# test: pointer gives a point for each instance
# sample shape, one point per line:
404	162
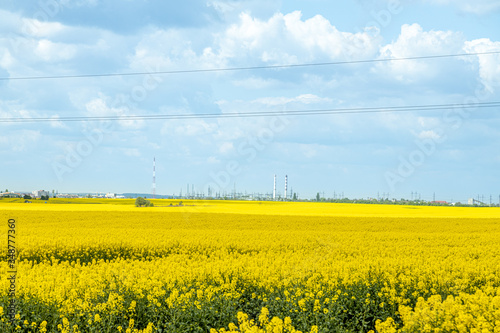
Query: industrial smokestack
154	177
274	188
286	185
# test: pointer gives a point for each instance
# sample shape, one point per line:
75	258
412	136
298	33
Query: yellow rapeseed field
214	266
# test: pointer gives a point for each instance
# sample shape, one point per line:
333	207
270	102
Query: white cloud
54	52
429	134
231	106
413	41
57	49
232	129
282	39
222	6
80	3
428	122
15	109
287	39
489	64
478	7
6	59
98	107
213	160
255	83
396	122
230	10
174	49
25	139
56	123
32	27
308	150
192	127
226	147
303	99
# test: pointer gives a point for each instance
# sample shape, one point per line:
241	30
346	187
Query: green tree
141	202
317	197
294	196
27	197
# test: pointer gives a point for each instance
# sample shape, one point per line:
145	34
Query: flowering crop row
215	267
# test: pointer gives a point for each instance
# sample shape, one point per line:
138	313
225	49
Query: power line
366	110
243	68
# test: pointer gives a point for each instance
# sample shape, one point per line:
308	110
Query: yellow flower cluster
479	312
275	325
206	265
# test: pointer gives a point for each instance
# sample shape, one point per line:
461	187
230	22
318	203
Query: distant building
473	202
67	196
110	195
40	193
11	195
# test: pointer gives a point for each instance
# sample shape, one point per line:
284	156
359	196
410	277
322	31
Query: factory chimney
274	188
286	186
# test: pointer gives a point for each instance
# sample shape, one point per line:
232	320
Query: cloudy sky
454	153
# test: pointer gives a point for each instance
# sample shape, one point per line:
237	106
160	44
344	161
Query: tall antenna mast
286	185
274	188
154	177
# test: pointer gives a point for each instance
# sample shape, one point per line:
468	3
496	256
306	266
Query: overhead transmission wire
253	114
229	69
365	110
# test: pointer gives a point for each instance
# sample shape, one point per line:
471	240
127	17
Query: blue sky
454	153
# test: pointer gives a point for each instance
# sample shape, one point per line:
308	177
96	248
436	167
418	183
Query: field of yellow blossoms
214	266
